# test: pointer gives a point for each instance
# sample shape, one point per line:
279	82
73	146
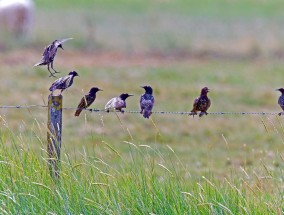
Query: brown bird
281	100
87	100
49	55
201	103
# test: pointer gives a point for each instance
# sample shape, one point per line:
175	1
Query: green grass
219	164
135	184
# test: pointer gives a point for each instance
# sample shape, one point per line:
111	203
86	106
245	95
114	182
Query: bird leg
53	68
141	111
51	74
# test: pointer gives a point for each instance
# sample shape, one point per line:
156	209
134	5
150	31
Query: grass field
219	164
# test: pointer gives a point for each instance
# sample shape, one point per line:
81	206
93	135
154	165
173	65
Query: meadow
217	164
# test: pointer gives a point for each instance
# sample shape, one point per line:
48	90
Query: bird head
60	46
204	91
93	90
73	73
124	96
148	89
281	90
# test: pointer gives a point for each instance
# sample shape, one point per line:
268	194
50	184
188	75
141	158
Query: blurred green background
233	47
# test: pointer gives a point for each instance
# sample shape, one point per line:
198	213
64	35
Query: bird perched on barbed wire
281	100
87	100
117	103
201	103
49	55
147	102
63	82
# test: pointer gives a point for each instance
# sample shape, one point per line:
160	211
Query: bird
87	100
281	99
117	103
63	82
201	103
147	102
49	55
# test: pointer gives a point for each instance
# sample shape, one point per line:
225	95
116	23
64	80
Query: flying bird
117	103
63	82
201	103
147	102
87	100
281	99
49	55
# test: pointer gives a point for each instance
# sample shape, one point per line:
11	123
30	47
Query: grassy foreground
136	184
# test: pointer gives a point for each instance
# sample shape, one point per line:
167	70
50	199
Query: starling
49	55
147	102
201	103
117	103
63	82
281	99
87	100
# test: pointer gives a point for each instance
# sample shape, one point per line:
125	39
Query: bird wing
85	102
110	104
195	103
61	83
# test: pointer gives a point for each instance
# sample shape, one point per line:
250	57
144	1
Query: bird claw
280	113
122	111
52	75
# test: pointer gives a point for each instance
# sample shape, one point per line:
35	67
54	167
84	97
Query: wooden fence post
54	132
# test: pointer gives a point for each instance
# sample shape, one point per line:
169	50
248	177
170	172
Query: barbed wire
138	112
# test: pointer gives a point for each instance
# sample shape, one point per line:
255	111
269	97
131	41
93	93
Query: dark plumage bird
147	102
87	100
201	103
49	55
63	82
117	103
281	99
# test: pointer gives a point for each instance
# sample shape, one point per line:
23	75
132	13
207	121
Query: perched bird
147	102
117	103
49	55
87	100
201	103
63	82
281	99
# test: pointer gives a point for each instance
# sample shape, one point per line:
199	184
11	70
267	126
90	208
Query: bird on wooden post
49	55
117	103
87	100
281	100
63	82
201	103
147	102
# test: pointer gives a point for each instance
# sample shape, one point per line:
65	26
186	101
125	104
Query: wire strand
138	112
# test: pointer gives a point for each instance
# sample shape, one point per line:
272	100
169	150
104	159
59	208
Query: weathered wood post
54	132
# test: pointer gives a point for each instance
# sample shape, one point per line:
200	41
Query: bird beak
100	90
277	90
142	86
130	95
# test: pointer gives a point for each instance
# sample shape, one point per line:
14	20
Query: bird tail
39	64
78	111
146	113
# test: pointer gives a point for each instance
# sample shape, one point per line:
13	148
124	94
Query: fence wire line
138	112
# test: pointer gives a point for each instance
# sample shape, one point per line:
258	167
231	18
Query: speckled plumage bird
281	99
49	55
147	102
201	103
87	100
117	103
63	82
